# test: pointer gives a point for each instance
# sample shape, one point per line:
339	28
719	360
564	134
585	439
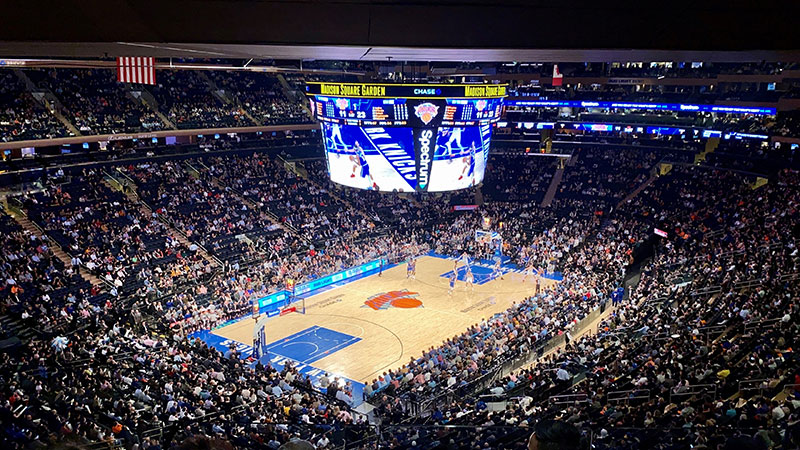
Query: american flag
558	78
136	69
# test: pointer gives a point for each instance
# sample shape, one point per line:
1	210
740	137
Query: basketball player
360	161
455	136
469	163
465	259
528	271
336	132
414	268
497	272
452	283
469	278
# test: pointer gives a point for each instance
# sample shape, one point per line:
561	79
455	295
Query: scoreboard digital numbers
374	104
402	138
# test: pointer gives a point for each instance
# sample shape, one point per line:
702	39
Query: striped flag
558	79
136	69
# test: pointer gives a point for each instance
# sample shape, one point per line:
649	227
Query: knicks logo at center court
398	299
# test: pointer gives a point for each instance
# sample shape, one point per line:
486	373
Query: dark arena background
399	225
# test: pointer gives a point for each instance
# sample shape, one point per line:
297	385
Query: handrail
631	394
502	369
694	390
765	323
754	385
566	399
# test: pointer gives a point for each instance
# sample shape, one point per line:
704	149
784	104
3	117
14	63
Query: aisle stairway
146	99
48	100
12	327
250	204
553	188
59	252
226	97
130	192
640	188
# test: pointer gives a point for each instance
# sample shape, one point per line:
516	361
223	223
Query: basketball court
368	326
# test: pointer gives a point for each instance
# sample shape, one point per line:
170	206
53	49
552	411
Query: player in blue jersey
469	163
360	162
452	282
411	268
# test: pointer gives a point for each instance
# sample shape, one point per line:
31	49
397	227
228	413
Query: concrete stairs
15	328
711	145
48	100
572	160
294	167
293	95
250	204
640	188
130	192
553	188
58	252
478	197
55	109
226	98
146	99
25	80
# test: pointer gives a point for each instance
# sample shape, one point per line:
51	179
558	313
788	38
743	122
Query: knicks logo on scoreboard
342	103
426	112
398	299
480	105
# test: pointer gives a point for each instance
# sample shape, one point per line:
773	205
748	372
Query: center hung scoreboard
406	137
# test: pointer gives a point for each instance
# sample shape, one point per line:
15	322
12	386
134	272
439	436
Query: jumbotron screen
417	140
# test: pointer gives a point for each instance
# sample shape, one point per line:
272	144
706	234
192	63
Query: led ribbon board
723	109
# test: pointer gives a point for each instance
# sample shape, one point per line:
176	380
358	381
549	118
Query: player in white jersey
336	132
465	259
469	279
455	137
498	273
529	270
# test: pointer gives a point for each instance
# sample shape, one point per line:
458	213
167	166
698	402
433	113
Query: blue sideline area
309	345
480	274
485	264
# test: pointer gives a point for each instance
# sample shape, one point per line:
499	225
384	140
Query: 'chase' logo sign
427	91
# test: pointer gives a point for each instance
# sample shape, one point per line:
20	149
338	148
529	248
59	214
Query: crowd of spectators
698	355
95	102
715	307
21	116
187	101
261	96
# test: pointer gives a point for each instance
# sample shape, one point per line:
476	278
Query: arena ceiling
433	30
